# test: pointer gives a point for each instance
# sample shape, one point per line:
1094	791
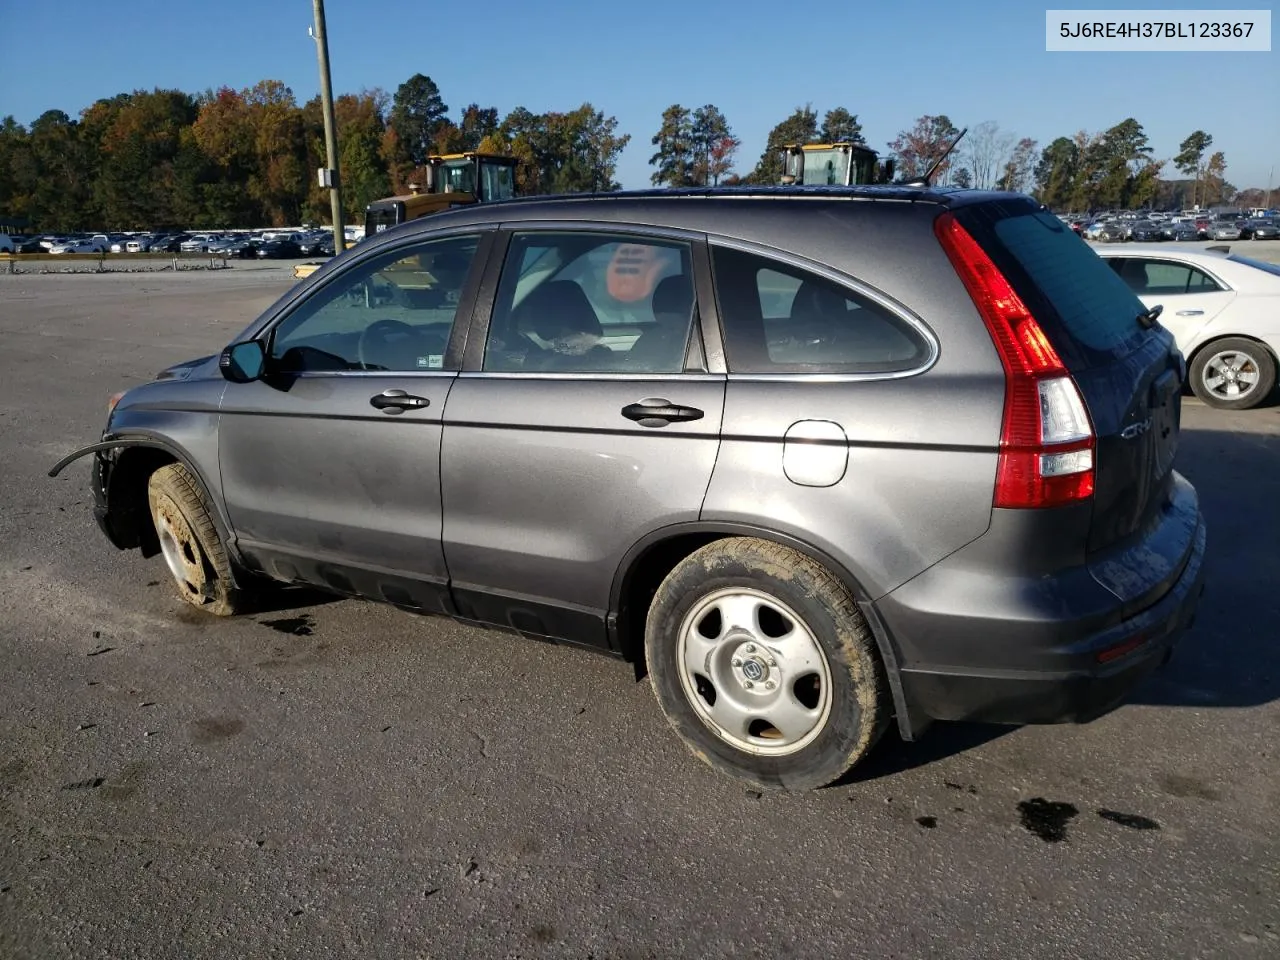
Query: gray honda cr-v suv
820	459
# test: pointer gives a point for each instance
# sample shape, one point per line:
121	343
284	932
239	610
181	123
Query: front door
330	462
584	420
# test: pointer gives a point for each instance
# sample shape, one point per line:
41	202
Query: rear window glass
1095	308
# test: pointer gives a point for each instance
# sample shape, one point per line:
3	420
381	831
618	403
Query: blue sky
888	63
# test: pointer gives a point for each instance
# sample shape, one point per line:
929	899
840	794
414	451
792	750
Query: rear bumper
1024	666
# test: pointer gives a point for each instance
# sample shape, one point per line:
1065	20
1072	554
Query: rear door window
592	302
1088	311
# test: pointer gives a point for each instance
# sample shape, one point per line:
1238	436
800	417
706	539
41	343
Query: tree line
1113	168
228	158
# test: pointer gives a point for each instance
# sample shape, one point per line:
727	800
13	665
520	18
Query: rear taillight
1046	438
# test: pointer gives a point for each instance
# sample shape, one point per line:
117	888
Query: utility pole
1269	178
329	176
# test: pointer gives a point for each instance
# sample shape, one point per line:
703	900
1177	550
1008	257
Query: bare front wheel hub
752	669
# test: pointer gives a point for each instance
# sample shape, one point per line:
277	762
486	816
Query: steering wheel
382	332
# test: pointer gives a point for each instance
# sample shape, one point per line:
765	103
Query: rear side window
778	318
1086	308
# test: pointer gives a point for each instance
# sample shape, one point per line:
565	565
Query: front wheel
764	666
189	541
1233	374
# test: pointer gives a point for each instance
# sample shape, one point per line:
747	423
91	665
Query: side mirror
243	362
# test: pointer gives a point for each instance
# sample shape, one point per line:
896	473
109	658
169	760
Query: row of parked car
273	244
1154	228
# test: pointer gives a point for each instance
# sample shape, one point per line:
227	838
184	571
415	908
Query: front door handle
397	401
657	412
1191	313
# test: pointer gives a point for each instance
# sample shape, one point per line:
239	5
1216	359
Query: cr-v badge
1136	429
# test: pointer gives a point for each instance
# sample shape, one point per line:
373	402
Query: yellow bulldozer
840	164
453	180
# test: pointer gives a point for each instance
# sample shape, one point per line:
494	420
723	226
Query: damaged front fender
71	458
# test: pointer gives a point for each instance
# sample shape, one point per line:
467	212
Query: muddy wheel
189	542
764	665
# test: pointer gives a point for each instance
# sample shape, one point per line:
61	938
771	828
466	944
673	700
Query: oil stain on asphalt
1047	819
302	626
1131	820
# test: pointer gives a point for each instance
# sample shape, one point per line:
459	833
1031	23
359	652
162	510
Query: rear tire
1230	361
764	666
189	542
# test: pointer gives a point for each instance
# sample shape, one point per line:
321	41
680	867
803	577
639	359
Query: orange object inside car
633	272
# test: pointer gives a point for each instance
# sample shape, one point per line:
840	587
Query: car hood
180	371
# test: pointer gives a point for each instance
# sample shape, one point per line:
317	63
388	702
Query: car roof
1207	254
688	205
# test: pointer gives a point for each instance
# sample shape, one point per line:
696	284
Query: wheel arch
1209	341
135	459
650	559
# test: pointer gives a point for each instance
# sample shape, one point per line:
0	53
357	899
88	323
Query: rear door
584	419
1190	296
1129	374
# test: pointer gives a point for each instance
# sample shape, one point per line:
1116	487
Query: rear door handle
1191	313
397	401
657	412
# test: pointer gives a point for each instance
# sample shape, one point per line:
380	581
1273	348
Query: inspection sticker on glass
433	362
1160	31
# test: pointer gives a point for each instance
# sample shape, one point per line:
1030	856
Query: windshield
825	167
457	176
496	181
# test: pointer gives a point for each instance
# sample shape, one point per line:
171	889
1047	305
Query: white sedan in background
79	246
1222	308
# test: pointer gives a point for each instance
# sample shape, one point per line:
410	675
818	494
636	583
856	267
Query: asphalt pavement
340	779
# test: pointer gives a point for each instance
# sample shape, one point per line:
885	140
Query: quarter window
782	319
592	303
393	312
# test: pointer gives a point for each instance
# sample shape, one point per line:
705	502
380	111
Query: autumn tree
139	139
714	145
917	149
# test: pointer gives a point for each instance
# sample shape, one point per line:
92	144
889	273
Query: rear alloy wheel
1233	374
190	544
764	665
